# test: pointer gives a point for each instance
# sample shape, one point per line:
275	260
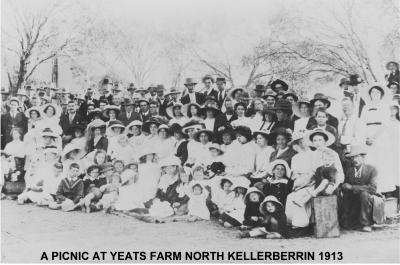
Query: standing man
354	93
162	101
222	94
259	91
361	206
208	82
129	114
152	92
106	90
192	96
144	109
12	119
70	118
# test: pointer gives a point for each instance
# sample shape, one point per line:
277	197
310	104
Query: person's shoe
244	228
244	234
366	229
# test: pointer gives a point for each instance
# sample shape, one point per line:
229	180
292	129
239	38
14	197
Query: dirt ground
27	231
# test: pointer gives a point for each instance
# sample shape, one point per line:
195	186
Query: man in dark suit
208	82
12	119
162	100
192	96
129	114
354	93
221	94
144	109
361	206
70	118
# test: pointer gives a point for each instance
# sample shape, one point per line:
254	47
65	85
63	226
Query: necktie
220	97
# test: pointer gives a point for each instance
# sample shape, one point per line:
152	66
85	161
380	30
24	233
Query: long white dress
241	159
379	154
197	205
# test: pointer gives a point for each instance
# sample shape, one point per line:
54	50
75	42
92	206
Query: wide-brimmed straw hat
269	198
136	123
34	108
116	124
283	163
253	189
170	161
193	124
242	182
356	150
216	147
244	131
170	109
111	107
190	81
321	97
146	125
329	137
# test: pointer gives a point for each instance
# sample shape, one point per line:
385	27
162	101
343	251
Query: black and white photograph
199	131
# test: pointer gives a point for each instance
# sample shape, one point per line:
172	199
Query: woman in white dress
263	154
300	124
241	120
135	135
51	119
258	106
376	117
199	154
165	145
175	112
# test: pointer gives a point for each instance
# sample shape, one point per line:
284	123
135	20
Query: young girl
274	220
110	189
96	138
128	179
162	205
221	197
119	166
135	135
234	214
197	203
92	184
252	214
183	189
277	183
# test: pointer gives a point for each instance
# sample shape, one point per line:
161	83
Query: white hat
134	123
216	146
170	110
242	182
170	161
330	138
283	163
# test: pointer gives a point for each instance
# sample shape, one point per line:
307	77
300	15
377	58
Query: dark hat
216	167
279	82
283	105
392	62
131	86
280	131
58	165
378	88
176	128
264	134
269	110
244	131
106	167
355	80
343	81
226	129
128	102
106	81
94	166
142	100
146	125
393	83
221	79
291	93
320	97
208	77
260	88
96	112
160	87
186	108
208	132
211	107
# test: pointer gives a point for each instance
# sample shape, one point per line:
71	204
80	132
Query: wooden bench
325	216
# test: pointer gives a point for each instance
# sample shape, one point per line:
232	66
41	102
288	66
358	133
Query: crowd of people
247	159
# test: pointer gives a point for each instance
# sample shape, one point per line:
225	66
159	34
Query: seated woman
263	154
198	153
281	138
96	138
175	112
164	146
240	160
241	119
16	149
135	135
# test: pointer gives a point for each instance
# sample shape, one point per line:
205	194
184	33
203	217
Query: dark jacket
220	121
101	144
88	184
199	98
8	123
252	209
68	189
162	106
279	189
277	216
213	93
65	124
367	182
287	155
287	124
332	120
182	152
134	116
109	98
328	173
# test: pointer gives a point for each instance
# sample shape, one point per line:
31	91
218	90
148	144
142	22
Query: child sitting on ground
128	179
181	205
119	166
92	184
109	190
274	220
197	203
70	190
221	197
234	214
252	214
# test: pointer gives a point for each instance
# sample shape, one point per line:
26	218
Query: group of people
247	159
